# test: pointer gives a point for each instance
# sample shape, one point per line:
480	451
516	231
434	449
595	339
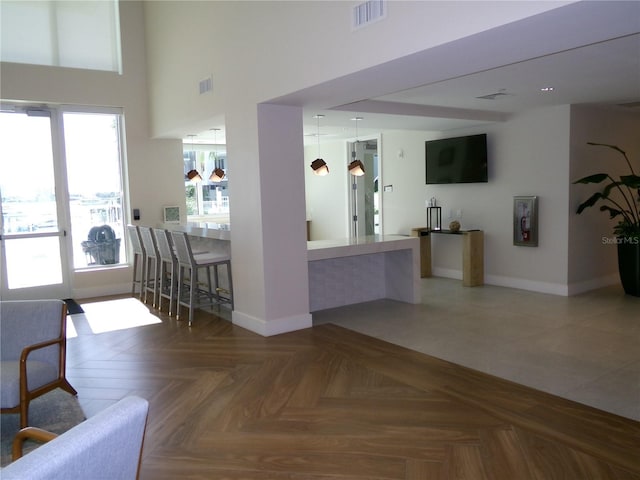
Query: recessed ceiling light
546	89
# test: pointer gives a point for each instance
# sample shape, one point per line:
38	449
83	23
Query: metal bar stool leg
193	292
173	290
180	291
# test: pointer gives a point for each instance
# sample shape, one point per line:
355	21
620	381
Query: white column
268	220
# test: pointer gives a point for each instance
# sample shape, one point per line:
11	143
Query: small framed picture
525	221
171	214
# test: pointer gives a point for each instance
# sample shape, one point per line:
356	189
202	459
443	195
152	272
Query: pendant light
319	166
218	174
356	167
193	175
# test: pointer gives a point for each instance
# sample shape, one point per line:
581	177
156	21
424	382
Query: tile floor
585	348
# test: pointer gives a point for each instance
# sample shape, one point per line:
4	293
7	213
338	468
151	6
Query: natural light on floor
108	316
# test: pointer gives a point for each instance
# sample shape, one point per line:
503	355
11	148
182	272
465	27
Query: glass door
32	224
61	197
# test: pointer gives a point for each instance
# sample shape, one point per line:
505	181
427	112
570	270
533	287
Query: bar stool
168	285
152	265
139	259
189	293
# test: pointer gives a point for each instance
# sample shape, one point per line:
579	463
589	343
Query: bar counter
341	272
348	271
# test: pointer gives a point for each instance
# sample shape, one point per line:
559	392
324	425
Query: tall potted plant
621	199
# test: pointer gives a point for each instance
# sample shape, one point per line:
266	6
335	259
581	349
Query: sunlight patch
121	314
71	329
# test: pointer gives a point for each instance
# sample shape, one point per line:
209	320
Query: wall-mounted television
457	160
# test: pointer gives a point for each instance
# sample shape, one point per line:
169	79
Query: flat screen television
457	160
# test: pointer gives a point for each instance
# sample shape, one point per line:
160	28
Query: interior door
33	247
364	201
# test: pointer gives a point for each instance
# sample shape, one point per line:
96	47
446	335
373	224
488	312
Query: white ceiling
588	52
606	73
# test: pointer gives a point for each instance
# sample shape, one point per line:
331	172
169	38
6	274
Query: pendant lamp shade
194	176
320	167
217	175
356	168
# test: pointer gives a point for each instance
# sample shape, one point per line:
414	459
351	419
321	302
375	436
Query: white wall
154	167
327	198
528	155
259	50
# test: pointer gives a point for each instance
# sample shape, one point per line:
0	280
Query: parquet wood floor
330	403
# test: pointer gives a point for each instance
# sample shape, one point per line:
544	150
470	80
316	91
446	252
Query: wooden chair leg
66	386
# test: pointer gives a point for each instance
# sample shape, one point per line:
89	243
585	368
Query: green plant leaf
631	181
621	204
590	202
607	190
616	148
613	212
596	178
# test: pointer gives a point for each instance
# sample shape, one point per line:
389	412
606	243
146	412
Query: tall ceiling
584	53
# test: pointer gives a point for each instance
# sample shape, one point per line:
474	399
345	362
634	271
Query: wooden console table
472	253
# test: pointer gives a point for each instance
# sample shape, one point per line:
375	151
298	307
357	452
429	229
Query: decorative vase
629	264
454	226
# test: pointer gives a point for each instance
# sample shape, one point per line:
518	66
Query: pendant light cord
318	134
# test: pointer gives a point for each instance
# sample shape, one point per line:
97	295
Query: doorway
60	179
365	200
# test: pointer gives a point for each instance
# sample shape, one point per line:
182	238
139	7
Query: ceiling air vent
206	85
369	12
493	96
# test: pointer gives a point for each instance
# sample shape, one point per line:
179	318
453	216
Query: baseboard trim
529	285
447	273
511	282
102	291
594	284
271	327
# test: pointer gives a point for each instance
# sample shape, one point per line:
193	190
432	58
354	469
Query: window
94	182
206	199
61	33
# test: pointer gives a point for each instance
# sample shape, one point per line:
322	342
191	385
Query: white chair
105	446
33	350
168	278
139	259
189	293
152	265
